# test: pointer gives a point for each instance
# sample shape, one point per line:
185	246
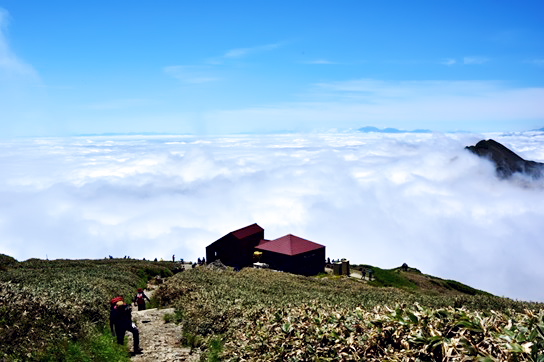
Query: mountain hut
237	247
293	255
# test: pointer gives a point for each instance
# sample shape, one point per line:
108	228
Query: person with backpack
121	322
140	298
112	307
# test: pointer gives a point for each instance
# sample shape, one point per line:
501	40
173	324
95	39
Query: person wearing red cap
113	302
140	298
121	322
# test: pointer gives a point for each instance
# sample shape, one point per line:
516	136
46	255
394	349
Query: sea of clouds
379	199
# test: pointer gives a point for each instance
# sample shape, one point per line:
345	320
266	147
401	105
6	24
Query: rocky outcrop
506	161
217	265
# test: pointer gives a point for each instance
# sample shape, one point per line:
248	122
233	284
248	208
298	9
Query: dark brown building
236	248
292	254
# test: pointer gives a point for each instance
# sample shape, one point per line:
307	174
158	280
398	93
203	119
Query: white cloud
475	60
23	104
206	73
377	199
243	52
536	61
192	74
449	61
10	64
121	104
320	62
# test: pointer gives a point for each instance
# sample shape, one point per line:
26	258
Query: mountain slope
506	161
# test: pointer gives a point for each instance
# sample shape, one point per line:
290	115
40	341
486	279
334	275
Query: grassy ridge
264	315
48	306
414	280
58	310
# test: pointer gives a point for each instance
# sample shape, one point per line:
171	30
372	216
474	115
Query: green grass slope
58	310
413	279
51	310
262	315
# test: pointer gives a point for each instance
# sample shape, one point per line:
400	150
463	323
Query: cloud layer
373	198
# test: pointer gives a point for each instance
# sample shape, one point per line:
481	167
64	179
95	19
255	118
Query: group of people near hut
121	318
365	271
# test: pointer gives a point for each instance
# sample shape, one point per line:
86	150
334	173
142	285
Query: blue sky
253	66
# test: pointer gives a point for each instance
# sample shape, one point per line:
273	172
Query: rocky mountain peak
506	161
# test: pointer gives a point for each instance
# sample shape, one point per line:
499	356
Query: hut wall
224	249
232	251
310	263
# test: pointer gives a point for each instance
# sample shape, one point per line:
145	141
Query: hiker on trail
363	273
174	258
121	321
112	306
140	298
370	274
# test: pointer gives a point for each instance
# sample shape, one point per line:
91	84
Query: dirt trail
159	340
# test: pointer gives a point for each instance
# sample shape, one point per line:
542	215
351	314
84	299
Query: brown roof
290	245
247	231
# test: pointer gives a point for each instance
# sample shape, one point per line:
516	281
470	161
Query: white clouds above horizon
536	61
10	64
192	74
475	60
207	71
449	61
437	105
22	100
320	62
243	52
376	199
121	104
468	60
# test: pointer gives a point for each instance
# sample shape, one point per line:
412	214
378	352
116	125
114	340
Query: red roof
247	231
289	245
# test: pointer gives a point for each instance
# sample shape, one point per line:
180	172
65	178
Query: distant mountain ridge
506	161
370	129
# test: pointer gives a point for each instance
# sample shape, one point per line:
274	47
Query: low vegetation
265	315
58	310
